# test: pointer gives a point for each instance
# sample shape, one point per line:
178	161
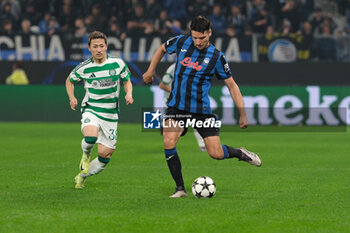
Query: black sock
230	152
174	165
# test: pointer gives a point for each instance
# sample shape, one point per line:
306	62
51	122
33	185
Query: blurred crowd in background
171	17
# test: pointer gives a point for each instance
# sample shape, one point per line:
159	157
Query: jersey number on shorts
113	134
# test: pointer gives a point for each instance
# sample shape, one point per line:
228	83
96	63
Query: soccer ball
203	187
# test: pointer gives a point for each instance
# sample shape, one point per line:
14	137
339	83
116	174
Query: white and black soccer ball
203	187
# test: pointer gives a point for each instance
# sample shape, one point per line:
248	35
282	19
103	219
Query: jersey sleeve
222	69
125	73
169	75
172	44
74	76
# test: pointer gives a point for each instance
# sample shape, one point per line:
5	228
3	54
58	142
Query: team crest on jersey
95	83
87	120
206	61
112	72
227	68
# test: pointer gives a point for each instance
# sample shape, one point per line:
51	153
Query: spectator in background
86	6
177	10
66	17
274	8
116	29
257	6
306	31
174	26
248	31
286	27
88	23
325	46
54	26
153	10
7	28
99	21
316	19
167	26
44	23
230	31
260	20
161	23
6	13
18	76
31	13
237	20
290	12
270	31
307	7
308	38
226	6
14	8
218	21
138	23
79	27
328	21
26	27
198	7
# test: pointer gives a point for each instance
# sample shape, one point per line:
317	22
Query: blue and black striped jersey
193	73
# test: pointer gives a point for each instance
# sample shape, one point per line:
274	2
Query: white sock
96	166
87	147
199	138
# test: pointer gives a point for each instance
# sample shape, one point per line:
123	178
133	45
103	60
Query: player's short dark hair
200	24
96	35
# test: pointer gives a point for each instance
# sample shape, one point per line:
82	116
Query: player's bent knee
105	153
216	154
169	142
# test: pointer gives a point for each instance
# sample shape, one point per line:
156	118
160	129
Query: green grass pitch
303	185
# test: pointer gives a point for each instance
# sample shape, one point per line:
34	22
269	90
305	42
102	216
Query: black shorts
179	115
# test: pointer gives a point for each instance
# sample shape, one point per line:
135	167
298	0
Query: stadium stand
170	17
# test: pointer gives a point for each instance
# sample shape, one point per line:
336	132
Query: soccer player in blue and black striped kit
197	62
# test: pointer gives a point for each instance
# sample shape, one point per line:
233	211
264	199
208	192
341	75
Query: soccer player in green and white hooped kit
100	107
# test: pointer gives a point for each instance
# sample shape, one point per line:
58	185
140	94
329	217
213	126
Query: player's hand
129	99
148	77
73	103
243	122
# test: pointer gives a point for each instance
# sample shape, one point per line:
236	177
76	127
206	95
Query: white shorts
107	131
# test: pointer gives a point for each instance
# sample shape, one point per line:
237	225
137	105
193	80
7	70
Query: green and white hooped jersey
167	78
102	85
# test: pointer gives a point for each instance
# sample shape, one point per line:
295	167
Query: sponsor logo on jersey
103	83
112	72
187	61
106	82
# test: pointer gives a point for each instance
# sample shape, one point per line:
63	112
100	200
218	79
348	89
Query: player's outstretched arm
128	91
164	87
238	99
148	76
70	92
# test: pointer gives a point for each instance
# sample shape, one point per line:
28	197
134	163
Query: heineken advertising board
294	105
309	105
